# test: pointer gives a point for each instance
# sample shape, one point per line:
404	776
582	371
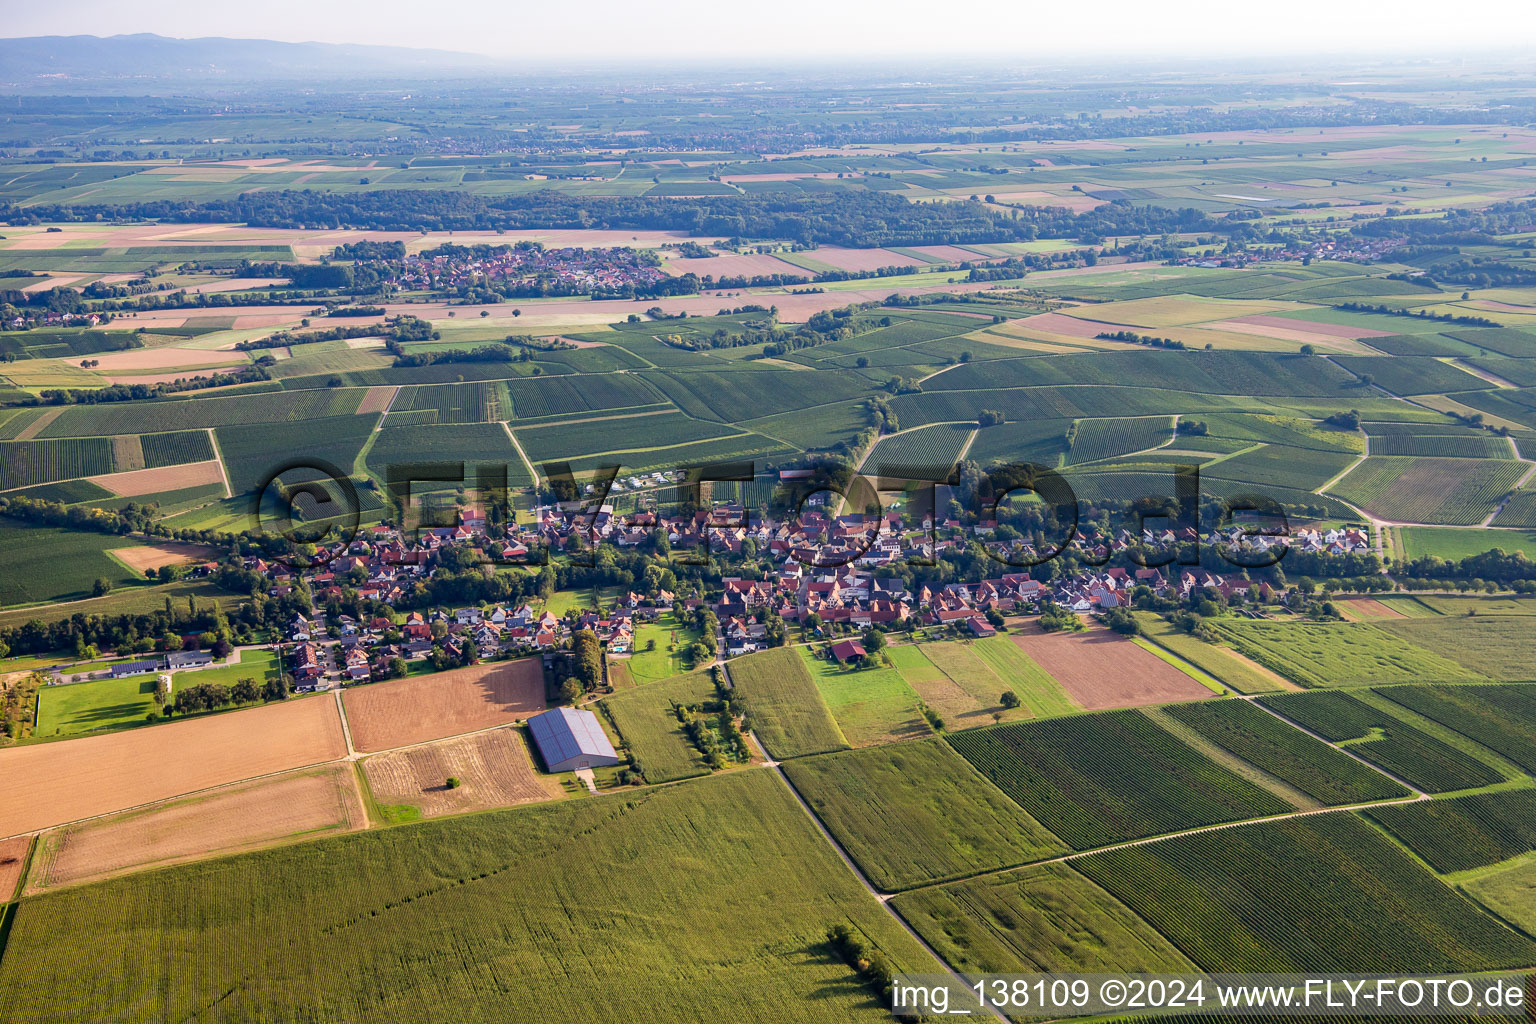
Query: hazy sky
534	29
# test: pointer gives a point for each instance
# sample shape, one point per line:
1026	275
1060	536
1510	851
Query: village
832	575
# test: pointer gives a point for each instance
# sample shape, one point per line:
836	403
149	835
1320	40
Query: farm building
134	668
848	650
569	738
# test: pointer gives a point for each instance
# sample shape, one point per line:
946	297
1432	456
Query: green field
104	704
1499	648
1455	492
1501	718
645	719
672	639
1510	893
783	705
871	705
1338	653
1099	779
708	900
47	563
128	600
1456	544
1287	753
915	813
1320	893
1462	833
1218	662
1385	740
1049	918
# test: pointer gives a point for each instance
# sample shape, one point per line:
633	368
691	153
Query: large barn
569	738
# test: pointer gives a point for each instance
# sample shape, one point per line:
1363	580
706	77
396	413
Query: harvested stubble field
400	712
241	817
494	770
13	858
146	557
53	783
165	478
1101	669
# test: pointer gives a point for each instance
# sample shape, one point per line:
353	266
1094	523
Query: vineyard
784	707
23	463
1321	893
253	453
548	396
1101	439
469	443
194	413
1501	718
1464	832
1413	375
1461	446
176	448
1281	466
1457	492
474	402
616	433
1287	753
1384	740
937	448
914	813
1099	779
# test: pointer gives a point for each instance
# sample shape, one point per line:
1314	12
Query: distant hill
43	61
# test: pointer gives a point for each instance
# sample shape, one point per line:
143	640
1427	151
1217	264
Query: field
1454	544
1464	832
937	689
24	463
13	857
293	806
783	704
636	903
416	709
652	732
1338	653
1383	739
494	769
152	482
47	563
1219	662
1100	439
1100	779
672	639
474	402
935	448
1049	918
176	448
1287	753
253	452
917	813
77	708
1510	893
470	443
197	413
55	783
1320	893
1455	492
1493	647
615	434
1501	718
871	705
146	557
1101	669
129	599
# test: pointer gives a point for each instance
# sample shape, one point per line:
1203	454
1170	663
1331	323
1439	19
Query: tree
587	655
100	587
453	782
569	690
1009	699
245	691
874	640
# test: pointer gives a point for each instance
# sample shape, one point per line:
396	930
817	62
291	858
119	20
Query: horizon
610	33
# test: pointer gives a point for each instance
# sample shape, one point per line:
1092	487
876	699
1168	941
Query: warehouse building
569	738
